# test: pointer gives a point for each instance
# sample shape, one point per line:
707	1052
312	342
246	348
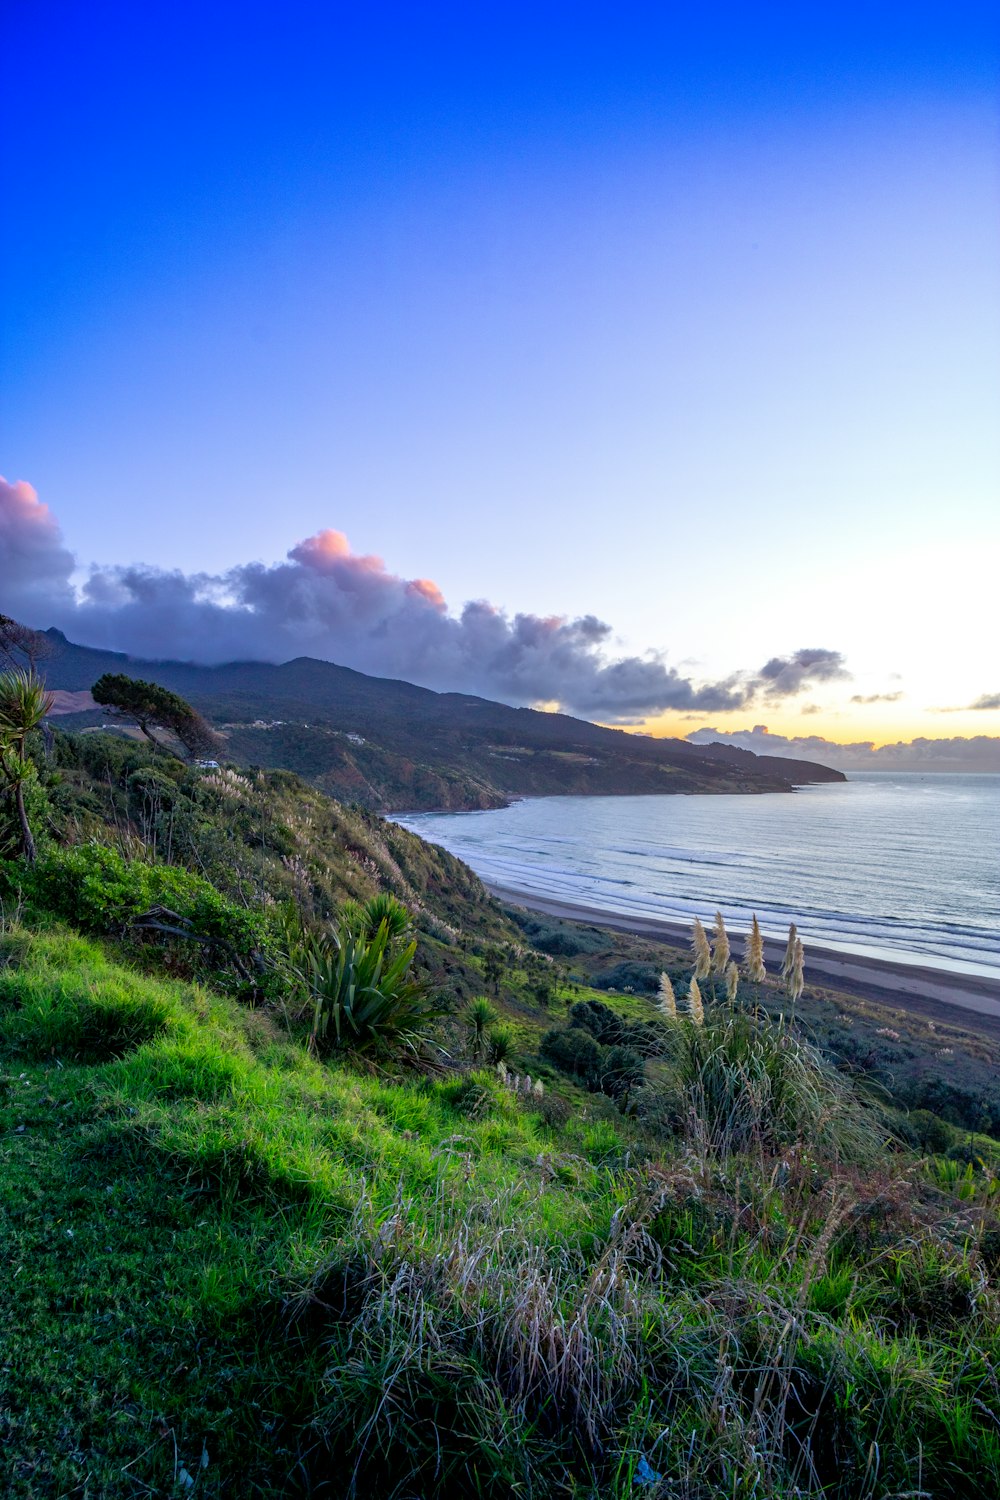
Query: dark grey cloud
325	600
784	676
986	701
974	753
877	697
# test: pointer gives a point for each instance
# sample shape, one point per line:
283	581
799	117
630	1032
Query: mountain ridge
393	745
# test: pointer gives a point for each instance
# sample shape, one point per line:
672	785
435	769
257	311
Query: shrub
500	1042
573	1051
363	995
644	979
745	1084
612	1030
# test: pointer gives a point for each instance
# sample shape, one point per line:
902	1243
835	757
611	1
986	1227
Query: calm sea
888	864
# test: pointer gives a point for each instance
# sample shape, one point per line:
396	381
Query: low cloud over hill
980	752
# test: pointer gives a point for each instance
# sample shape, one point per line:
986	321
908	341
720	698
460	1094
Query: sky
643	360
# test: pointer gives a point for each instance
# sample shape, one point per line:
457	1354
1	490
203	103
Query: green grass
227	1260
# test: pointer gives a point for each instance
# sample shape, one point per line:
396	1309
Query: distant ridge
395	746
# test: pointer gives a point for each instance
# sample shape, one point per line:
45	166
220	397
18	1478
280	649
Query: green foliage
386	909
558	939
501	1040
419	1286
362	993
102	893
85	1009
642	978
480	1015
650	1038
753	1085
494	967
24	703
153	707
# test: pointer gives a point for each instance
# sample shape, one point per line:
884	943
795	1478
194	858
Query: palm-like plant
481	1016
363	995
24	703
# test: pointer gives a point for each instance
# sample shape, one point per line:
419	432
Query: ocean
903	866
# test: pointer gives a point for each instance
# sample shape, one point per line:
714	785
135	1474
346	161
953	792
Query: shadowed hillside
391	745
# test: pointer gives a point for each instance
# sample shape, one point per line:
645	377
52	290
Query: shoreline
909	986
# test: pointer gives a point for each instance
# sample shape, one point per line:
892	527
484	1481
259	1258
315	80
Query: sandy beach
935	993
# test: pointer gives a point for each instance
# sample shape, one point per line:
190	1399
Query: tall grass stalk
700	951
667	1002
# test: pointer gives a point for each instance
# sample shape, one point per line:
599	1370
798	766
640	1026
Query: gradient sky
684	317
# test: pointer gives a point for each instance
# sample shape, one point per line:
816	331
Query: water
888	864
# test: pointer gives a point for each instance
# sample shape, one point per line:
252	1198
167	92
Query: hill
392	746
684	1259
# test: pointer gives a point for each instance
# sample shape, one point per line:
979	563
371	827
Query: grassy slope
160	1208
326	1282
214	1245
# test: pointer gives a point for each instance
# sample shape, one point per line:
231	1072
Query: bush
747	1084
612	1030
363	995
930	1132
101	893
644	979
573	1051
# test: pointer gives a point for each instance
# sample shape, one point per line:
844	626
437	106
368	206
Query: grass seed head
700	951
720	945
753	957
668	1000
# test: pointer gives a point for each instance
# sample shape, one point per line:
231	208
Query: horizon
657	359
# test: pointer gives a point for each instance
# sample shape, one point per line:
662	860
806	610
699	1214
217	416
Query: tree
24	702
494	967
20	646
153	707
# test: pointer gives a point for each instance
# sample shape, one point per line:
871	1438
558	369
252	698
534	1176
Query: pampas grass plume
789	958
720	945
668	1000
700	951
753	957
695	1006
795	980
732	982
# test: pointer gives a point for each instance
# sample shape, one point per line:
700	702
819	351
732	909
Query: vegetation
24	702
150	707
246	1251
389	744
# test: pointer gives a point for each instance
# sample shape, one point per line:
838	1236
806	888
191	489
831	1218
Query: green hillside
556	1245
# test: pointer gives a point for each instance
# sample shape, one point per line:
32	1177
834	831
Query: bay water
893	865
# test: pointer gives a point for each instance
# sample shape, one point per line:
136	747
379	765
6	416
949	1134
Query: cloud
33	559
327	601
877	697
784	676
986	701
976	753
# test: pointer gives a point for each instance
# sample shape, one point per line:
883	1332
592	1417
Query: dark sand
935	993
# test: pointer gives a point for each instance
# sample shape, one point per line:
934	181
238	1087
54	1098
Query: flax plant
668	1001
700	951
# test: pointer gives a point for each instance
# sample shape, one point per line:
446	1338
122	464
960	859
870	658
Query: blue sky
689	321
